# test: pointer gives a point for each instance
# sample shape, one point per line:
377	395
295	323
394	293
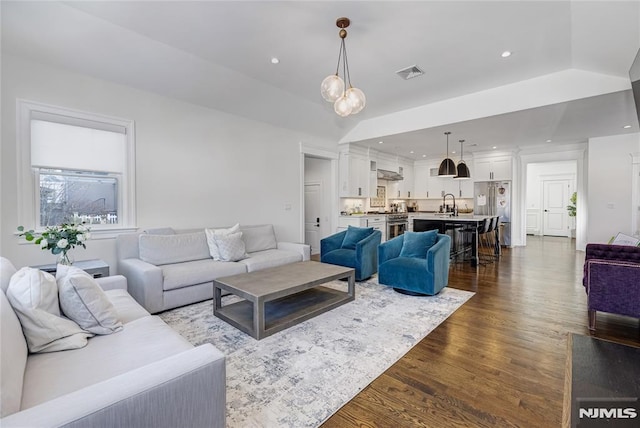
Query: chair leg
592	320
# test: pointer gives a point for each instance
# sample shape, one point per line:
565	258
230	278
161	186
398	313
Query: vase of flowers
59	239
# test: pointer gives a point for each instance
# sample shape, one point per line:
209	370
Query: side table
96	268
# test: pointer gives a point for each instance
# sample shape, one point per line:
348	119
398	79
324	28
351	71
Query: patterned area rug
300	376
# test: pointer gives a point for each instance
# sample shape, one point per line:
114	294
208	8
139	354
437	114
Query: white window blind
78	147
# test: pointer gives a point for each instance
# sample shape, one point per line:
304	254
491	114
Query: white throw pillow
33	294
211	233
230	247
83	301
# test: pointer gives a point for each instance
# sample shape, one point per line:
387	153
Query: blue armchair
409	267
356	247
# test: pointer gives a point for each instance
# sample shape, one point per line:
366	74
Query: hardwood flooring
499	360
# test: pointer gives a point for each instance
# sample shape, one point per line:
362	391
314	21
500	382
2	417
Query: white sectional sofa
167	268
145	375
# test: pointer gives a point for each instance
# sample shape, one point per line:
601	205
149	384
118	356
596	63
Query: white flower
44	244
63	243
86	236
80	237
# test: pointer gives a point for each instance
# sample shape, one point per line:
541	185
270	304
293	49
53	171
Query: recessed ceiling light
411	152
627	126
495	147
380	142
275	60
548	141
505	54
453	152
424	156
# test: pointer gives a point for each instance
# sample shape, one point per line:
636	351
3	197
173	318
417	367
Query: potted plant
571	208
59	239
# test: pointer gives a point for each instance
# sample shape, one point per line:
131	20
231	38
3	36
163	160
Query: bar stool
467	237
485	255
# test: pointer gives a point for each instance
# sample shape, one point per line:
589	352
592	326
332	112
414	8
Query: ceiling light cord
347	99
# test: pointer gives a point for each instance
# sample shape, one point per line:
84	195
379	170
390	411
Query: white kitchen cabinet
427	185
492	168
354	175
406	186
378	222
465	189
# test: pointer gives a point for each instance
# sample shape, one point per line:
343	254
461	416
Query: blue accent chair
358	251
415	275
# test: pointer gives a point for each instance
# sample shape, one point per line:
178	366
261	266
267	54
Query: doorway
317	200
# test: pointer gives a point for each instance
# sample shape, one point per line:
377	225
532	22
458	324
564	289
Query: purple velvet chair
612	280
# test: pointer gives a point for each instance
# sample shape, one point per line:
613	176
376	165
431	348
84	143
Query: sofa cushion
211	233
231	247
259	238
197	272
12	360
166	249
127	308
355	235
416	244
83	301
6	272
270	258
141	342
33	294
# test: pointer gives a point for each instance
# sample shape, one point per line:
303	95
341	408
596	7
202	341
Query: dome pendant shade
332	88
447	168
463	169
463	172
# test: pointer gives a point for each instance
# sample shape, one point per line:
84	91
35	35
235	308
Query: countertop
447	217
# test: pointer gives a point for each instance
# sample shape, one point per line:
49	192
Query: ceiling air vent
410	72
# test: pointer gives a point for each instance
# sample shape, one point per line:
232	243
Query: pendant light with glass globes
447	166
462	168
333	88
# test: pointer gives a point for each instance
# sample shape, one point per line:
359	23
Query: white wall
196	167
610	186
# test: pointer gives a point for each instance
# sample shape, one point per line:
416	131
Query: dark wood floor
499	360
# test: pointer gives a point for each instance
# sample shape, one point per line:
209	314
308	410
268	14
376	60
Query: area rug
300	376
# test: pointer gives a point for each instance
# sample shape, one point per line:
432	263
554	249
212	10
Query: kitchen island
446	223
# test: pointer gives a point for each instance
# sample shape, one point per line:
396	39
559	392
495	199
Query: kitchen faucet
453	209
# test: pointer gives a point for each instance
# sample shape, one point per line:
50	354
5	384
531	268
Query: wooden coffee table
279	297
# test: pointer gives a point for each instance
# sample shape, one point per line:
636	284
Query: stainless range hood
384	174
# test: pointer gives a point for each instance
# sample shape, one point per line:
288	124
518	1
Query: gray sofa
145	375
167	268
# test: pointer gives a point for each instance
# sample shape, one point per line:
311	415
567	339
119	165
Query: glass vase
64	258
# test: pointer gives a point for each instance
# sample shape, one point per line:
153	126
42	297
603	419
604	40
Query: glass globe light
332	88
342	106
357	99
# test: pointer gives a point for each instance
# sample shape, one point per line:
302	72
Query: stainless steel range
397	224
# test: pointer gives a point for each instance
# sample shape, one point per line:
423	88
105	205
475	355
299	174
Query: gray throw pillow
83	301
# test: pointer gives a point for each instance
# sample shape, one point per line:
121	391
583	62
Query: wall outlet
287	207
611	205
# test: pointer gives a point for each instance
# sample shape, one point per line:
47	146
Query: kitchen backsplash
351	205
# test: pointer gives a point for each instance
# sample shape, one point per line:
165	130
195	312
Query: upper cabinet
492	168
355	178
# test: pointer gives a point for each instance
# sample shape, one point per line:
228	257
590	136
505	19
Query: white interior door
313	216
555	196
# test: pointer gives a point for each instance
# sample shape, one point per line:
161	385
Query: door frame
331	186
573	152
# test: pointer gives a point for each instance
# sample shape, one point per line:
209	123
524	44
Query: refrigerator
494	198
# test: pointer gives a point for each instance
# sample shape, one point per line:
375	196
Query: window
80	167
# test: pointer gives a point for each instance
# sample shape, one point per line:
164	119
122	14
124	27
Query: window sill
96	234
